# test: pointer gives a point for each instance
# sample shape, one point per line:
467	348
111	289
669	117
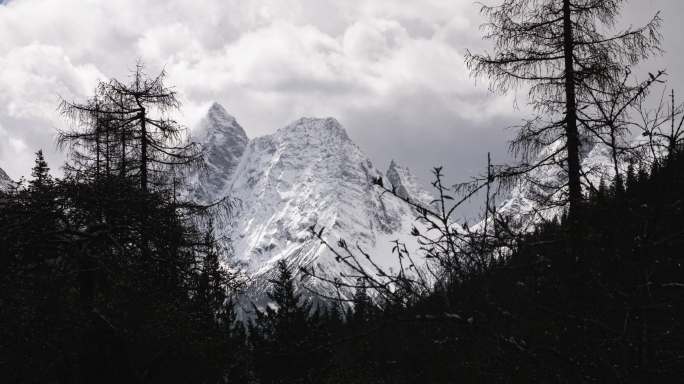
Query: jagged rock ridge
223	143
406	185
531	203
307	173
6	183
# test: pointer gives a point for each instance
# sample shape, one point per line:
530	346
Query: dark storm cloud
390	70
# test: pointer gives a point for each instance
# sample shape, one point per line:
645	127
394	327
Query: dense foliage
82	304
615	314
107	275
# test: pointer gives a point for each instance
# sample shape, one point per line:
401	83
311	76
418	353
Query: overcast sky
391	71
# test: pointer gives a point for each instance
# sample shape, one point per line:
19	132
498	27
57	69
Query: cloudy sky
391	71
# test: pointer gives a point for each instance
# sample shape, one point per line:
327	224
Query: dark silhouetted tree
564	52
284	337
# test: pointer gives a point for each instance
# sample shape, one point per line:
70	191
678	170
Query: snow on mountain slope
406	185
6	183
309	172
223	143
524	206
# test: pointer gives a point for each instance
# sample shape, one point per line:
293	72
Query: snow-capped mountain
307	173
406	185
524	206
6	183
223	141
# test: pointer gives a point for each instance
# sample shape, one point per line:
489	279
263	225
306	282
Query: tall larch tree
566	52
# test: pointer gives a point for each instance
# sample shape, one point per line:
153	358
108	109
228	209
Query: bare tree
449	251
561	50
661	128
136	115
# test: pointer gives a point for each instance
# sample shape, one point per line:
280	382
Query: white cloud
372	40
17	145
268	61
34	75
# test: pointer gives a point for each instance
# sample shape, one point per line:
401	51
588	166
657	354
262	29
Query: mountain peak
217	111
311	126
218	119
306	173
405	183
6	183
397	177
223	141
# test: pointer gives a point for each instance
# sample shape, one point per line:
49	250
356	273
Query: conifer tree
280	334
40	173
100	294
41	196
362	305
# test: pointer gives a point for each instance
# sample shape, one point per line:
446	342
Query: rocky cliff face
223	143
5	182
533	202
406	185
307	173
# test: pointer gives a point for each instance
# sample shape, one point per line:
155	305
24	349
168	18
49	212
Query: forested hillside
82	303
